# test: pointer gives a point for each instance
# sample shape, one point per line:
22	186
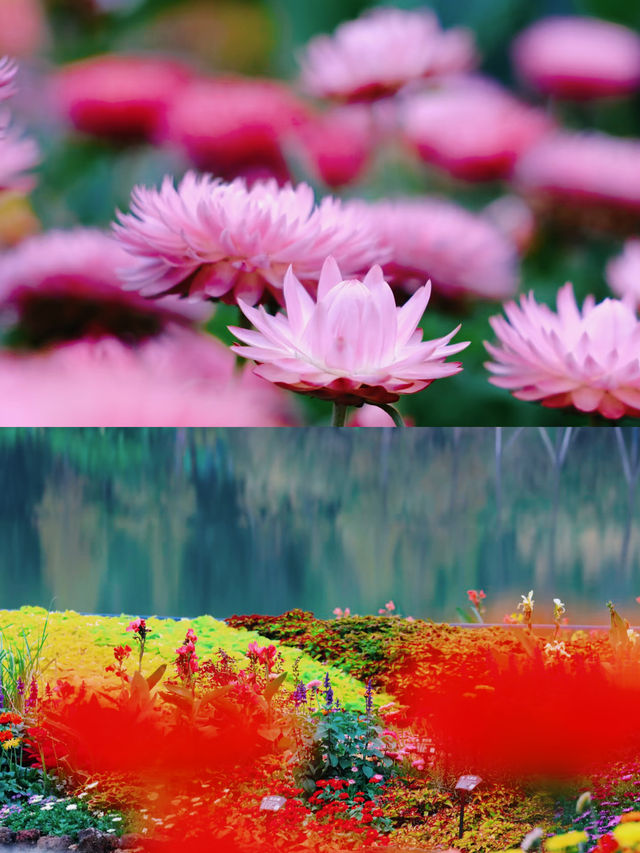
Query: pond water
181	522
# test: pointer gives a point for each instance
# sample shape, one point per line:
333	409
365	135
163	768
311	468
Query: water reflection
224	521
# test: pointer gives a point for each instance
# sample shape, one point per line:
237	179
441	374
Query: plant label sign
468	783
272	804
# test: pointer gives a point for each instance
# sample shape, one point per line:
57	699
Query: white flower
116	818
46	808
72	807
527	601
556	648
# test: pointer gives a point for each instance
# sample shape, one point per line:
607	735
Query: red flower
607	844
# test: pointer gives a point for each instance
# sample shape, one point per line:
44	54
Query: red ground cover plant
358	645
560	709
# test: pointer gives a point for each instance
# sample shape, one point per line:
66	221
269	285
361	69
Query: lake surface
183	522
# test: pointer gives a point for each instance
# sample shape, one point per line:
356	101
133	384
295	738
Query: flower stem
393	413
339	414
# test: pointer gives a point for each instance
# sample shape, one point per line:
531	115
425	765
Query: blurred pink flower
23	27
351	346
225	241
64	285
586	171
8	69
513	216
371	416
336	146
390	605
236	127
18	155
180	379
583	358
623	272
472	128
574	57
461	252
119	97
380	52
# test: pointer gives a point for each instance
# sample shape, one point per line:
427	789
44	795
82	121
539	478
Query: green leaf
155	676
178	701
179	691
273	686
308	785
271	733
464	615
139	688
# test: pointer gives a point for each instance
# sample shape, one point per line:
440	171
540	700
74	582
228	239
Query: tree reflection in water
221	521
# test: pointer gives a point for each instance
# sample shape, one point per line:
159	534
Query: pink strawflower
586	172
352	345
380	52
336	146
18	156
23	27
390	606
585	358
472	128
578	58
224	241
65	285
236	127
623	272
8	70
513	216
181	378
461	252
125	98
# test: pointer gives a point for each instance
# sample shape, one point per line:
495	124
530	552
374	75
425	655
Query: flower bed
179	731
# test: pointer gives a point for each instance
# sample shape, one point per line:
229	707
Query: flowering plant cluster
321	211
187	659
343	796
